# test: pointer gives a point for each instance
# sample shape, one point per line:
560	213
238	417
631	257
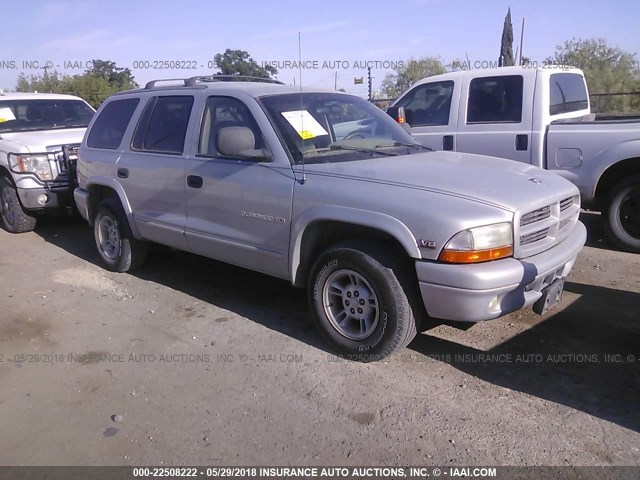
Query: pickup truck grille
66	160
545	226
69	158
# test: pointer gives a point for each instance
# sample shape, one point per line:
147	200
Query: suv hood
506	184
38	141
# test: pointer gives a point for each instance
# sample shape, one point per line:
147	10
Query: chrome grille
566	203
535	216
544	226
534	237
69	158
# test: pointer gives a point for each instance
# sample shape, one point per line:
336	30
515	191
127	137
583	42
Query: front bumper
484	291
31	198
81	198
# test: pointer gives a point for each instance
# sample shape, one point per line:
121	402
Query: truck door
428	111
238	201
494	120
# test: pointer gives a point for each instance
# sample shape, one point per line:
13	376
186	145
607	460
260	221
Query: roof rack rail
152	83
229	78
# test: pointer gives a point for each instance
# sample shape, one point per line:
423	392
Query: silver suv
325	190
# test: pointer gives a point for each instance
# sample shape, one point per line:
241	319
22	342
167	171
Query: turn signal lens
475	256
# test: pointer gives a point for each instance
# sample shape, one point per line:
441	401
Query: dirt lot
209	364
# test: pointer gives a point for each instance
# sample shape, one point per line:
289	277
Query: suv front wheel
117	247
358	301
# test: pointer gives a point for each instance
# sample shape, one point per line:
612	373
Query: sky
336	36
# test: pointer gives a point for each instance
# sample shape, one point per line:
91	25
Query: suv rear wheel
14	218
117	247
359	303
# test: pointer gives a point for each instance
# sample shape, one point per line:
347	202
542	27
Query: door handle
447	142
522	142
123	173
194	181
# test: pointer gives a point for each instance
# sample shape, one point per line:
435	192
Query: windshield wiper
363	150
414	145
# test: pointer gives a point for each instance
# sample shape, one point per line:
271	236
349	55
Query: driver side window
429	104
229	130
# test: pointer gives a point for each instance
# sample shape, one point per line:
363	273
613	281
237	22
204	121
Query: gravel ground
190	361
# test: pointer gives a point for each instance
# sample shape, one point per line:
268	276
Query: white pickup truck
540	117
39	138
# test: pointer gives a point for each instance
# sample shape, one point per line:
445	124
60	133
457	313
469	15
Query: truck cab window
495	100
428	104
568	93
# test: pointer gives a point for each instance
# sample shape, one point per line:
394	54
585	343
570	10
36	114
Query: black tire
371	285
622	222
118	249
14	218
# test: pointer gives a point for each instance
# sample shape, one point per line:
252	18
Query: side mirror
398	114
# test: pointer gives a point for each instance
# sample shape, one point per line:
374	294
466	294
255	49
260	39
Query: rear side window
495	100
163	125
109	127
568	93
428	104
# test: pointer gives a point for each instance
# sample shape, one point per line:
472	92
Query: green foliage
409	73
94	85
117	77
607	70
239	62
506	48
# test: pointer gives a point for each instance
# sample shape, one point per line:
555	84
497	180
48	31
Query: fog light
494	305
42	199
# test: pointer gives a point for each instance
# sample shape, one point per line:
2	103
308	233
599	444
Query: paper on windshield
6	114
304	124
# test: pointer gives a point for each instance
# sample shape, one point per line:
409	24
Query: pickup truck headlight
479	244
27	163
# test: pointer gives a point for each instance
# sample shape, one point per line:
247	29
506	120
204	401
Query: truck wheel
358	302
117	247
622	222
14	218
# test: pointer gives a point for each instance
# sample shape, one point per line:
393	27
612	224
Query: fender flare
354	216
109	182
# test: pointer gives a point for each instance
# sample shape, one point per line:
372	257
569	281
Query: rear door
238	204
428	111
152	171
494	120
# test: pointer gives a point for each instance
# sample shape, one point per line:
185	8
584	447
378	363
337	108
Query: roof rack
190	82
229	78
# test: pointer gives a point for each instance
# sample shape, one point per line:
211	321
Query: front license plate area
551	296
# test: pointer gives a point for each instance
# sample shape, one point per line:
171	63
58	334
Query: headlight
27	163
479	244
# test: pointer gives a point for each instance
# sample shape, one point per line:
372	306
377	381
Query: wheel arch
106	188
324	226
614	174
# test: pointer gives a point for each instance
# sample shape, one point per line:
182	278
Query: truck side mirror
398	114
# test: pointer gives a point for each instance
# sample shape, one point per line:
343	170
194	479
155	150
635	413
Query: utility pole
335	82
370	93
521	43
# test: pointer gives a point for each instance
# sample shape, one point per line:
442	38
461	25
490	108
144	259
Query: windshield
30	114
329	127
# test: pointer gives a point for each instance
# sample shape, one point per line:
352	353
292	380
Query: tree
94	85
239	62
506	47
409	73
607	70
117	77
